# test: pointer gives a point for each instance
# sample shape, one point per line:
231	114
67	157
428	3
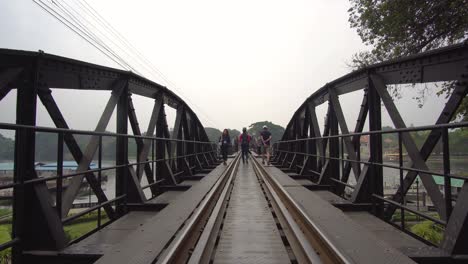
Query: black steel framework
329	158
162	158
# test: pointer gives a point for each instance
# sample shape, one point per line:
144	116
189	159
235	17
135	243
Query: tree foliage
401	27
213	133
395	28
7	147
276	131
254	130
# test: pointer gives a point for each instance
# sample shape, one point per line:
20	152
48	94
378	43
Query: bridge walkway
266	216
249	233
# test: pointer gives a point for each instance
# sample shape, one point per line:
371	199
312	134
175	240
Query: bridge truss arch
330	156
163	157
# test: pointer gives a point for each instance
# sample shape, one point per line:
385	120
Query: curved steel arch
179	154
310	152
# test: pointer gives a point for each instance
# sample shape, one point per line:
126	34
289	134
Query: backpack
245	139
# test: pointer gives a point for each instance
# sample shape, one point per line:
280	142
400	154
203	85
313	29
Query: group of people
263	145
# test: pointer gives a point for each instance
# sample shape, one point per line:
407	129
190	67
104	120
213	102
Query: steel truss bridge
321	201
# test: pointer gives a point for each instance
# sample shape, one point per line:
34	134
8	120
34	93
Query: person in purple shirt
266	140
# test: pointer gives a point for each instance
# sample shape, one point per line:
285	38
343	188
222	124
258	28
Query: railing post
447	180
400	161
59	182
375	181
334	146
121	153
99	178
33	213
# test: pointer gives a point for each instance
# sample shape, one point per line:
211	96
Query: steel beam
121	154
335	102
33	212
317	134
356	141
74	186
411	148
45	94
143	155
448	112
177	134
456	232
132	118
6	77
334	146
163	168
188	148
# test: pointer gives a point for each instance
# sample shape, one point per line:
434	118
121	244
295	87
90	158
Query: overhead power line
86	22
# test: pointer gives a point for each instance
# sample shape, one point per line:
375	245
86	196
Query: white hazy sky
237	62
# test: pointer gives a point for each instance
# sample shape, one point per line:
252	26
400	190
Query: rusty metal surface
249	233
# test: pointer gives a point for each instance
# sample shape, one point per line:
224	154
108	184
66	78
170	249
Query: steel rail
178	250
315	237
302	248
203	251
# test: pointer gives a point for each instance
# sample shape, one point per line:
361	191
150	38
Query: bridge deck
249	233
354	240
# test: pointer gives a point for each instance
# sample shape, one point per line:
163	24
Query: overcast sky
236	62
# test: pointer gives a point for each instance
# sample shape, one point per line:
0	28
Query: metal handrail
8	126
380	132
378	164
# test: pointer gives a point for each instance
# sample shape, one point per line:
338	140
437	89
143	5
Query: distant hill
214	133
275	130
254	130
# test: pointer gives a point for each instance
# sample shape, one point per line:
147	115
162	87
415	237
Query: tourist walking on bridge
225	141
244	140
266	139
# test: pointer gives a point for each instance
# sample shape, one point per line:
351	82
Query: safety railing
164	166
290	151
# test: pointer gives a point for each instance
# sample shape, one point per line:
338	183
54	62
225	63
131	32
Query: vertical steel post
375	180
334	146
33	212
447	180
99	176
59	184
400	160
121	158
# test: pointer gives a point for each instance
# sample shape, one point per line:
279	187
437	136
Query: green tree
234	132
396	28
401	27
213	133
7	148
276	131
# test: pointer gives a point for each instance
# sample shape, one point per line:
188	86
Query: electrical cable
72	19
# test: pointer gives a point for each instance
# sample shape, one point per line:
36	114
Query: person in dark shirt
266	140
244	141
225	141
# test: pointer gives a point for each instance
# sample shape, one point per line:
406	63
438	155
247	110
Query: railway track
247	217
